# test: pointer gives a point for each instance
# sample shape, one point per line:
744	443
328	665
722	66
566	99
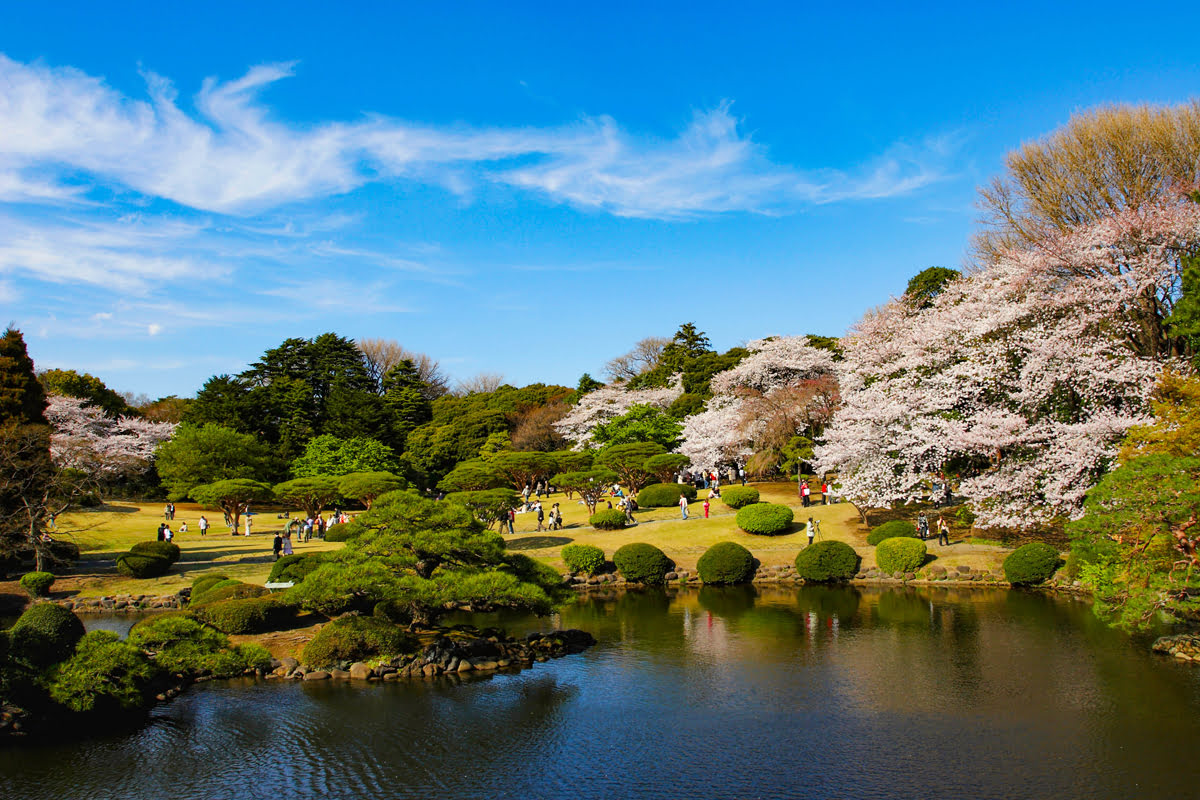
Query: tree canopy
201	454
628	461
366	486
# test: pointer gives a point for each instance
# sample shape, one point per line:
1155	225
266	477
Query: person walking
811	530
167	512
943	532
683	506
287	544
541	515
276	546
172	507
203	524
249	524
825	493
922	526
706	508
742	475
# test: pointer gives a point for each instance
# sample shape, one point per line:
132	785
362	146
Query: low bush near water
45	634
900	554
827	561
1030	564
583	558
183	645
891	530
765	519
739	496
104	675
206	582
248	614
642	563
726	562
37	583
355	639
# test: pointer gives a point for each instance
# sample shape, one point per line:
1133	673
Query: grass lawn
106	532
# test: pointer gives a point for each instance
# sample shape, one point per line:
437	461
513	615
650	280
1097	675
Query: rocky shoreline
1185	646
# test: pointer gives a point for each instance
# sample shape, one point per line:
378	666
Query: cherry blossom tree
87	440
606	404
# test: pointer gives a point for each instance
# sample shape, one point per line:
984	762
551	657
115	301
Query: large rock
317	675
360	671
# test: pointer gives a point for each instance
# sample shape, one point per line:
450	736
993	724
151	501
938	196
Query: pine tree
26	470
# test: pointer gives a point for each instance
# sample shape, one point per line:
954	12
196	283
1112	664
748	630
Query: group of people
806	493
165	534
943	530
554	523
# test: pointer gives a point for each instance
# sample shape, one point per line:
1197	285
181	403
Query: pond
738	693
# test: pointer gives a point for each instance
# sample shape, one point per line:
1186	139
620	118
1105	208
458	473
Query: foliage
86	387
233	496
37	583
183	646
928	284
366	486
142	565
726	562
571	461
739	496
1175	404
664	466
639	562
168	550
583	558
590	484
629	462
228	590
342	532
89	441
295	567
1031	564
335	456
765	519
825	561
900	554
206	582
311	495
521	469
641	423
247	614
472	476
608	519
892	529
665	495
204	454
604	405
488	505
1136	545
104	675
45	634
355	639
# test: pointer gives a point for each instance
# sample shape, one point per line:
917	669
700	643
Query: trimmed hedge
765	519
891	530
827	561
1031	564
206	582
45	634
726	562
247	614
608	519
142	565
665	495
355	639
295	567
37	583
900	554
639	562
739	496
167	550
228	590
583	558
183	645
342	531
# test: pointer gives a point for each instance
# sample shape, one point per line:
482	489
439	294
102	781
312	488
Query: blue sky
517	188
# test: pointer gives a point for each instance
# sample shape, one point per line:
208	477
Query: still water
732	693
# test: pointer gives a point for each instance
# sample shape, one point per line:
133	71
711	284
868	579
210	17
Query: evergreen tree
26	470
405	402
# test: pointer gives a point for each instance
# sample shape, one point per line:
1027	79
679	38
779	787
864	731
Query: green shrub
182	645
45	634
356	639
247	614
1030	564
104	675
900	554
206	582
583	558
37	583
726	562
891	530
343	531
142	565
168	550
827	561
229	590
665	495
295	567
203	596
642	563
765	519
739	496
607	519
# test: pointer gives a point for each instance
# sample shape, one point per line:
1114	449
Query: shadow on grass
537	542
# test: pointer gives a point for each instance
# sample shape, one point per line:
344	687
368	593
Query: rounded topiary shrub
765	519
583	558
247	614
356	639
1030	564
900	554
37	583
168	550
342	531
45	634
891	530
739	496
229	590
608	519
142	565
206	582
827	561
295	568
642	563
726	562
665	495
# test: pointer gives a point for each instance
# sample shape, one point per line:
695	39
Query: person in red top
824	493
706	508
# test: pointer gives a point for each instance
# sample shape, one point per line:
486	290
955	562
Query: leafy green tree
312	495
201	454
471	476
329	455
591	484
1136	546
70	383
405	401
927	284
232	496
664	466
521	469
1184	321
1175	431
629	462
427	557
488	505
572	461
366	486
642	423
